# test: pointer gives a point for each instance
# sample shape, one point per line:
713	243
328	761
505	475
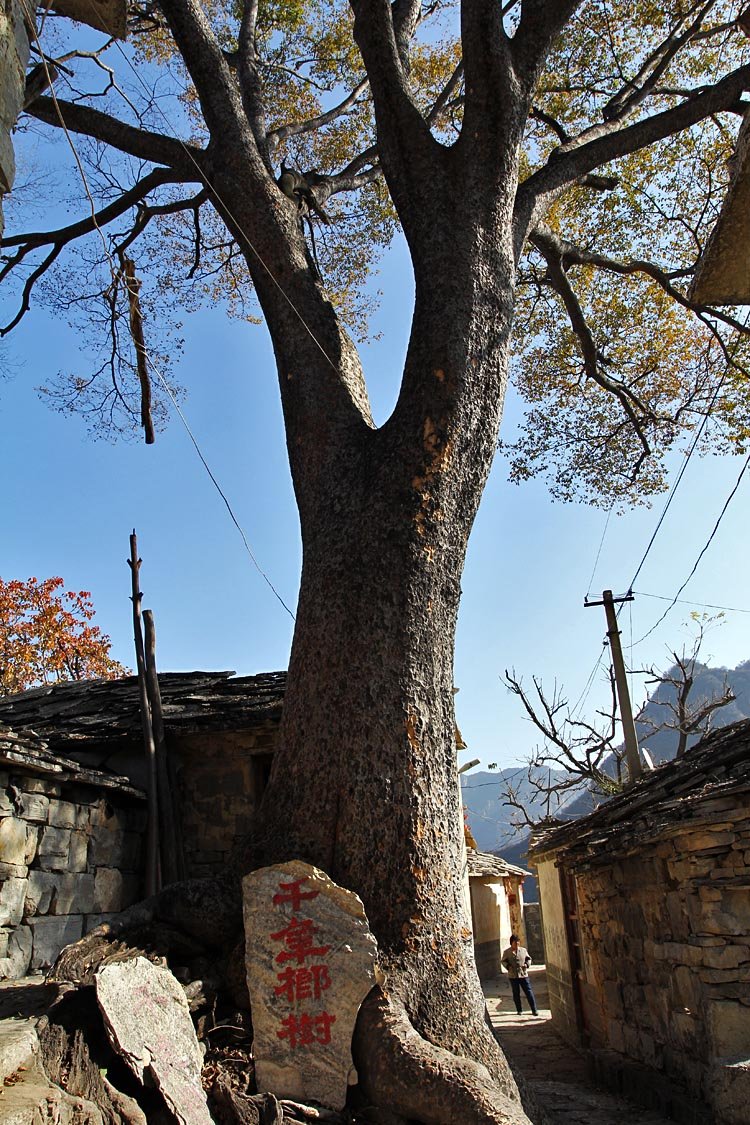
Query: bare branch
185	159
32	239
294	129
31	281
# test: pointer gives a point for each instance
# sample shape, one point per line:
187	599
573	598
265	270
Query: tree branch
635	410
491	86
217	91
29	241
249	79
637	89
295	128
31	281
409	154
576	255
611	140
183	157
541	21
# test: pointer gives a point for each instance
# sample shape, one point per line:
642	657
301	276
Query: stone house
72	795
496	890
646	914
221	733
70	850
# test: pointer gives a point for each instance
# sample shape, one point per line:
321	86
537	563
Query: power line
148	355
710	539
683	601
680	475
601	544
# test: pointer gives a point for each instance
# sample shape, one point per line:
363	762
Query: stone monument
310	962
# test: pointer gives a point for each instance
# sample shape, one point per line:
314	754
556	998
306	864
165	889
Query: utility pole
632	756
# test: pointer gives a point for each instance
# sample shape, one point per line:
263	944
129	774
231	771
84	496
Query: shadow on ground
553	1073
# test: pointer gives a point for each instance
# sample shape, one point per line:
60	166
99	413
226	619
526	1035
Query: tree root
413	1079
203	911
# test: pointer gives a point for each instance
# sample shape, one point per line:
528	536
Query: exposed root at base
419	1082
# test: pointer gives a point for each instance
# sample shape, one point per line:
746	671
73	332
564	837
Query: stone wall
14	55
222	776
70	855
666	939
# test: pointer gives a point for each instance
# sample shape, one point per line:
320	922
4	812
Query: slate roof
664	801
85	712
493	866
25	752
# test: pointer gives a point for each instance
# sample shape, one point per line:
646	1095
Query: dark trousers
517	984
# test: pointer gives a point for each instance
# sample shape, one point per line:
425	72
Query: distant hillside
490	820
662	744
709	683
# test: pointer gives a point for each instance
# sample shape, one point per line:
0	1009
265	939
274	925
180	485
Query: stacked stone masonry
221	781
666	938
69	858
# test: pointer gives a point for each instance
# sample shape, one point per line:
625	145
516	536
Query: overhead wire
696	564
149	358
601	544
678	481
699	605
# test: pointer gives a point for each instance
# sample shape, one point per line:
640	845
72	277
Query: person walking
516	961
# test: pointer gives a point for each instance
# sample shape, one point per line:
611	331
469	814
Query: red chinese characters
308	977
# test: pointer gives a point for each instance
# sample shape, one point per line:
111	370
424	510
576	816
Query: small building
496	889
73	803
220	732
71	850
646	914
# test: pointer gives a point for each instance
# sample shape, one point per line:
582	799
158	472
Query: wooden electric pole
632	756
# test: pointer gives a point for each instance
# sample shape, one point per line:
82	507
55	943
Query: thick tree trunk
364	784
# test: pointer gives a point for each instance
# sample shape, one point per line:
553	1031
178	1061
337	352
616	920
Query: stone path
554	1072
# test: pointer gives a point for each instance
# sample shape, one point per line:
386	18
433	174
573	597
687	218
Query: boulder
148	1024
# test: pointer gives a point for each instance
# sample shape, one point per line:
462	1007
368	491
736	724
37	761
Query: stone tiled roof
87	712
493	866
25	752
666	800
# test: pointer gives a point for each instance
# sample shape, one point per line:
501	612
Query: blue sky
69	505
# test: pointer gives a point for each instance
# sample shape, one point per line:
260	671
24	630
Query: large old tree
551	163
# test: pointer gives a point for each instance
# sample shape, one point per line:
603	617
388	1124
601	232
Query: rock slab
149	1025
310	961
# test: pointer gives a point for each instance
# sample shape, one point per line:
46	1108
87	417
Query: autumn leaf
46	636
